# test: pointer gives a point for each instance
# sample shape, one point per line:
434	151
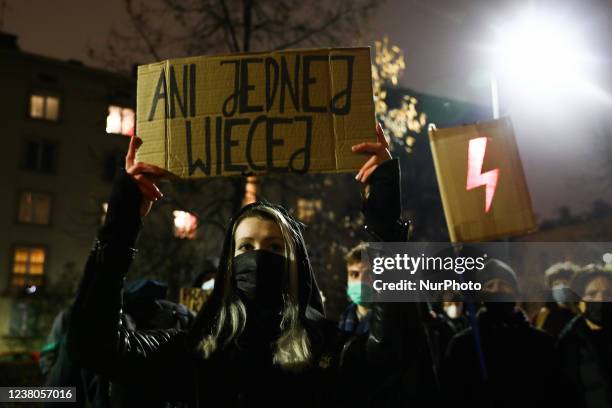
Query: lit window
40	156
307	209
120	121
34	208
28	266
45	107
185	224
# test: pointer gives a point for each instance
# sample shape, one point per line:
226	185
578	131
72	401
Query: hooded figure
584	347
262	338
502	361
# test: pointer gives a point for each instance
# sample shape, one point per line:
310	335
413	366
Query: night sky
559	140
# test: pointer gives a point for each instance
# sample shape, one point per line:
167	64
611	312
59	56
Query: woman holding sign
262	338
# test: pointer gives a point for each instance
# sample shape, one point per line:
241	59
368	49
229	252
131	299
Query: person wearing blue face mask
562	308
355	319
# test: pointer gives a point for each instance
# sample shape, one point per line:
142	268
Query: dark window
34	208
40	156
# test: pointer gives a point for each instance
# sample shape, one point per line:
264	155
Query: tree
404	122
173	28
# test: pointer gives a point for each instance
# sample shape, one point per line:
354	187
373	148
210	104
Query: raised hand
379	154
145	175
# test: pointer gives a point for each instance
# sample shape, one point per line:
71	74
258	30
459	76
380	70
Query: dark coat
586	363
168	362
59	365
519	366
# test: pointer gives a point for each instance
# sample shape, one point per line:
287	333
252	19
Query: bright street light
542	55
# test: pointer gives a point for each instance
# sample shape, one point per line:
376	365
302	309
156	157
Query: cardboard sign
193	298
277	112
481	181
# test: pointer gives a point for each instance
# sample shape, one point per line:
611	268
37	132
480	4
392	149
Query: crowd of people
262	338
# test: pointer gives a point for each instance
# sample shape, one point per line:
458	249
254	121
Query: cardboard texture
256	113
193	298
470	216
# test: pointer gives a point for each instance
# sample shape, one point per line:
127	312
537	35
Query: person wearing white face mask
562	308
454	315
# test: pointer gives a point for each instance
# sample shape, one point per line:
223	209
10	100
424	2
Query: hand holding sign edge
144	175
379	154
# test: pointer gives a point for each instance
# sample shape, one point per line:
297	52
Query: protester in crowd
61	370
355	319
450	319
584	348
206	278
145	309
554	315
194	297
502	361
413	380
144	301
262	338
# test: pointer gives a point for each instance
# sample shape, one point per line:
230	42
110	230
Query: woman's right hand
145	175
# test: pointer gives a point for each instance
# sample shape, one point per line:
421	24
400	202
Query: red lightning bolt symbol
475	176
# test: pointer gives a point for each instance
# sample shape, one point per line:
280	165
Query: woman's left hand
379	154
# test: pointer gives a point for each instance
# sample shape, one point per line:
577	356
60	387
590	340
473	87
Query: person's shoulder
461	339
572	329
349	308
540	337
325	326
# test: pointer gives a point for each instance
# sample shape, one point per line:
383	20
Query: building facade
64	128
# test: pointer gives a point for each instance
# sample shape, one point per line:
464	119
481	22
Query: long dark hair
223	318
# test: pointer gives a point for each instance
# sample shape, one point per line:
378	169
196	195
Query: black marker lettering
160	93
175	95
245	87
233	98
228	143
249	143
347	92
294	90
198	164
308	80
271	142
306	150
271	67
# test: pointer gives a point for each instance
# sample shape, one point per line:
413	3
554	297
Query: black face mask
499	305
599	313
258	277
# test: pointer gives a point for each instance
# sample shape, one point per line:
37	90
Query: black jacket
168	362
586	364
516	367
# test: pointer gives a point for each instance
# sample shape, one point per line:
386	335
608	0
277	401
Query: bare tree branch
230	26
139	24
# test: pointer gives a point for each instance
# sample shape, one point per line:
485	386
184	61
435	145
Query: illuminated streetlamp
541	54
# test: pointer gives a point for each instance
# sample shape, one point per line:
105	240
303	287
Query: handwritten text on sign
290	111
